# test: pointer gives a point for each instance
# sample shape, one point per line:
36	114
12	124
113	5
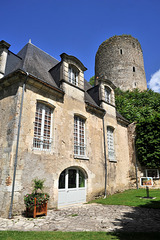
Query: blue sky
78	27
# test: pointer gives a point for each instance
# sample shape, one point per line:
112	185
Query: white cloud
154	82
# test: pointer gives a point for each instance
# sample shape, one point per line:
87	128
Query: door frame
63	193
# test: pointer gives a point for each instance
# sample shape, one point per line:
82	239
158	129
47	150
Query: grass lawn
133	198
13	235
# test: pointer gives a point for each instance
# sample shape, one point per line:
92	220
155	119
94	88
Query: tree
148	141
91	80
143	108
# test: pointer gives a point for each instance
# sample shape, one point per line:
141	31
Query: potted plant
36	202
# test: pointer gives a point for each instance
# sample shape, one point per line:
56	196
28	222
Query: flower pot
37	210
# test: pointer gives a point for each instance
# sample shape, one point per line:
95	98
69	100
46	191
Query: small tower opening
121	52
134	69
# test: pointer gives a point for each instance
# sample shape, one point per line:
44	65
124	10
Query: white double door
72	187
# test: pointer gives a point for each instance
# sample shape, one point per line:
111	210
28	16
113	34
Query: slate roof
33	60
36	62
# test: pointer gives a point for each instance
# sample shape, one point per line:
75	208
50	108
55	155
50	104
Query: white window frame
40	141
79	148
147	175
73	74
107	94
110	142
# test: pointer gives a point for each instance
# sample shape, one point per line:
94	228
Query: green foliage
40	199
148	141
38	184
144	109
91	80
40	196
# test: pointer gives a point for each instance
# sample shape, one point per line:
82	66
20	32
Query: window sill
113	160
40	151
109	103
81	157
71	84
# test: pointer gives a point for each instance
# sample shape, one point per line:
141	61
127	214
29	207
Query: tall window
79	136
107	95
42	127
73	75
110	141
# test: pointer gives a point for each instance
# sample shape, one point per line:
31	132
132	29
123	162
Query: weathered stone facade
104	139
120	60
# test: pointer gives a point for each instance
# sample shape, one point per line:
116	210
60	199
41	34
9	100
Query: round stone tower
120	60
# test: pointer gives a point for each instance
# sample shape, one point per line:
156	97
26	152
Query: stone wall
117	170
120	60
48	165
9	108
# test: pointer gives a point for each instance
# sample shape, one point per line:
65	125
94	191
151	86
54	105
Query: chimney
4	46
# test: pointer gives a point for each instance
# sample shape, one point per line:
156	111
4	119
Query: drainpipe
105	160
18	133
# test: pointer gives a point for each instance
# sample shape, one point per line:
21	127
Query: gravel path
89	217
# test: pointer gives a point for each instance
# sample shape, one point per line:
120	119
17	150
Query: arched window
73	75
73	177
42	127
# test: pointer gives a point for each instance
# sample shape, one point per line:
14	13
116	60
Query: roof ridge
41	50
23	63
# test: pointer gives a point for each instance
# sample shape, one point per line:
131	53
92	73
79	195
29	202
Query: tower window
121	52
134	69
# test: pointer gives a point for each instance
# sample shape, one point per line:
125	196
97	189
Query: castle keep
120	59
57	127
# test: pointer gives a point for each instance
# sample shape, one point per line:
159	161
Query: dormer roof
66	57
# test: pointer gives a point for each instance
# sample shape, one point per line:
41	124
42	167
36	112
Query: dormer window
72	71
73	75
107	95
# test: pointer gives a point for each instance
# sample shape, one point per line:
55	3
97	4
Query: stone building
59	128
